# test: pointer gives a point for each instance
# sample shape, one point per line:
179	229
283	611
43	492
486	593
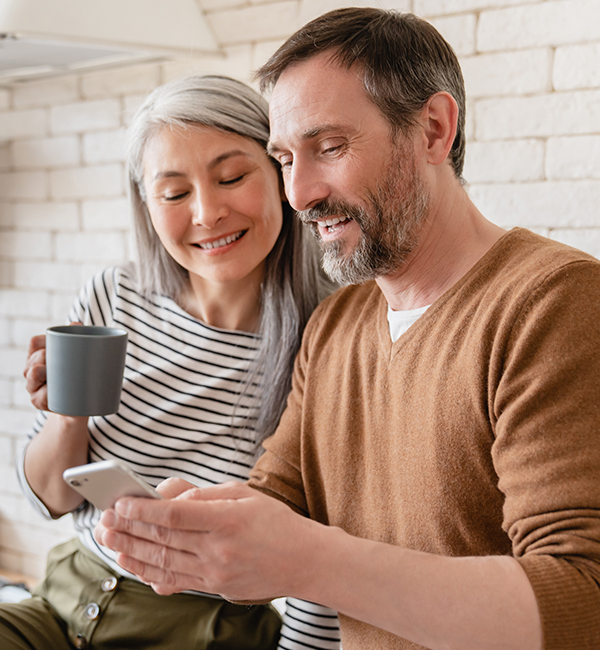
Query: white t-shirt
400	321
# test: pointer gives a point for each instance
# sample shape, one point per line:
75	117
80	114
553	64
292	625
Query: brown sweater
476	433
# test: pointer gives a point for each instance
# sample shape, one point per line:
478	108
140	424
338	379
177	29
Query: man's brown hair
403	61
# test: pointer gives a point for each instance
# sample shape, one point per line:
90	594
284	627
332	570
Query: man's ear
439	119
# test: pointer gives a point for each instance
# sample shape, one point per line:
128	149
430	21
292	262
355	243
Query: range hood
42	37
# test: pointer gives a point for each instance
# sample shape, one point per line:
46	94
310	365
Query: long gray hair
293	284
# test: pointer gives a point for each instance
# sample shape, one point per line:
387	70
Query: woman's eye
232	181
175	197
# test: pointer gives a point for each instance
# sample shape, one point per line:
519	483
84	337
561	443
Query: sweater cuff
568	598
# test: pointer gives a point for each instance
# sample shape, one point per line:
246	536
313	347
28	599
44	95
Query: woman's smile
221	243
214	199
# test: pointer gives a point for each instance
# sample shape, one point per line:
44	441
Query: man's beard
389	224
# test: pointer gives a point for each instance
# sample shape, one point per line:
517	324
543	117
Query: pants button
92	611
109	584
81	642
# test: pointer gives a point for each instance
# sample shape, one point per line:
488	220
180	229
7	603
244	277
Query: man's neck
454	238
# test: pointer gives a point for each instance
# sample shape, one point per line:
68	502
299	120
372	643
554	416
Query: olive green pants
82	603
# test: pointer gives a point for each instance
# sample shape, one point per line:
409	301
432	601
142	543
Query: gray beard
390	225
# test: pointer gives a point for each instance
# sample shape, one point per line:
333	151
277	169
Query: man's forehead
313	95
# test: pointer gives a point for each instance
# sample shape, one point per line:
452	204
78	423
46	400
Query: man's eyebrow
309	134
211	165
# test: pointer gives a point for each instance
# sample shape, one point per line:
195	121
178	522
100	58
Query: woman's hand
35	372
61	443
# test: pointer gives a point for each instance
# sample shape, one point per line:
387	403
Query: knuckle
172	515
164	558
161	534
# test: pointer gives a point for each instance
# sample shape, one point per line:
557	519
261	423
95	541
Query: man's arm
232	540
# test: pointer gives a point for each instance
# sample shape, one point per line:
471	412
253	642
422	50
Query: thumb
232	490
173	487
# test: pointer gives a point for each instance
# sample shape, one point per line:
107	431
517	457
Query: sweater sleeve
547	451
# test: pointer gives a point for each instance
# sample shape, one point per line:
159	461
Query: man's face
358	187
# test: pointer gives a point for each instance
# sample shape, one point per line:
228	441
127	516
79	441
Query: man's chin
344	270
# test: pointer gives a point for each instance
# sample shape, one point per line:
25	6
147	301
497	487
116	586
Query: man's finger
230	490
199	510
146	552
163	582
111	521
173	487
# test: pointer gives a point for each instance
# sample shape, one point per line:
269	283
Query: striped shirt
184	412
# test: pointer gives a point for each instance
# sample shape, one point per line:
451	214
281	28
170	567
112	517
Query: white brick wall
532	71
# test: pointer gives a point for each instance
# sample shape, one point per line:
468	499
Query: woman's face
215	202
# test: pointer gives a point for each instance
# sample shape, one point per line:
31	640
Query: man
441	438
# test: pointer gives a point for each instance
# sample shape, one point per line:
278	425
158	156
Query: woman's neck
228	306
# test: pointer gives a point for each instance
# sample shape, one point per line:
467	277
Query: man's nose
304	186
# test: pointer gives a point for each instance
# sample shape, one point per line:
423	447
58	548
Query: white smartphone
103	483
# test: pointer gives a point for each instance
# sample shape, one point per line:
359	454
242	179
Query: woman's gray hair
294	283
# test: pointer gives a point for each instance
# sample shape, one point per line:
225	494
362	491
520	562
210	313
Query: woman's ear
439	119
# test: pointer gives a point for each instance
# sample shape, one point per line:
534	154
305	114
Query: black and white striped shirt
183	413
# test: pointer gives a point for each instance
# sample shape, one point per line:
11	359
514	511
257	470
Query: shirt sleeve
547	451
307	625
93	306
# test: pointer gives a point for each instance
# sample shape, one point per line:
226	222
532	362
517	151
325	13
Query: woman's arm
62	442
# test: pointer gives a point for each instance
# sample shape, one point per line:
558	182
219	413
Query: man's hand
227	539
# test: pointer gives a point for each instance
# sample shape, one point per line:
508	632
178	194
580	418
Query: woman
215	308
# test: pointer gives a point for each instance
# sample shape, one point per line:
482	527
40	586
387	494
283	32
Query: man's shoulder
523	260
526	250
347	302
346	309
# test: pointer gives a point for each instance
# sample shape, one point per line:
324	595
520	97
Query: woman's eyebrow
228	154
213	163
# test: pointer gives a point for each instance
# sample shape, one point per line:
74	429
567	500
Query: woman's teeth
221	242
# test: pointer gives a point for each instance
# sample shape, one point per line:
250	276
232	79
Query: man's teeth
331	222
221	242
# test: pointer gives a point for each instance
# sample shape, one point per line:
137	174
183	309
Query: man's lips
219	243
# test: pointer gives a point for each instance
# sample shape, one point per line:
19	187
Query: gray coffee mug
84	369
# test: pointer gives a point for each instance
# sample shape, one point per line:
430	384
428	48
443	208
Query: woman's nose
207	209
